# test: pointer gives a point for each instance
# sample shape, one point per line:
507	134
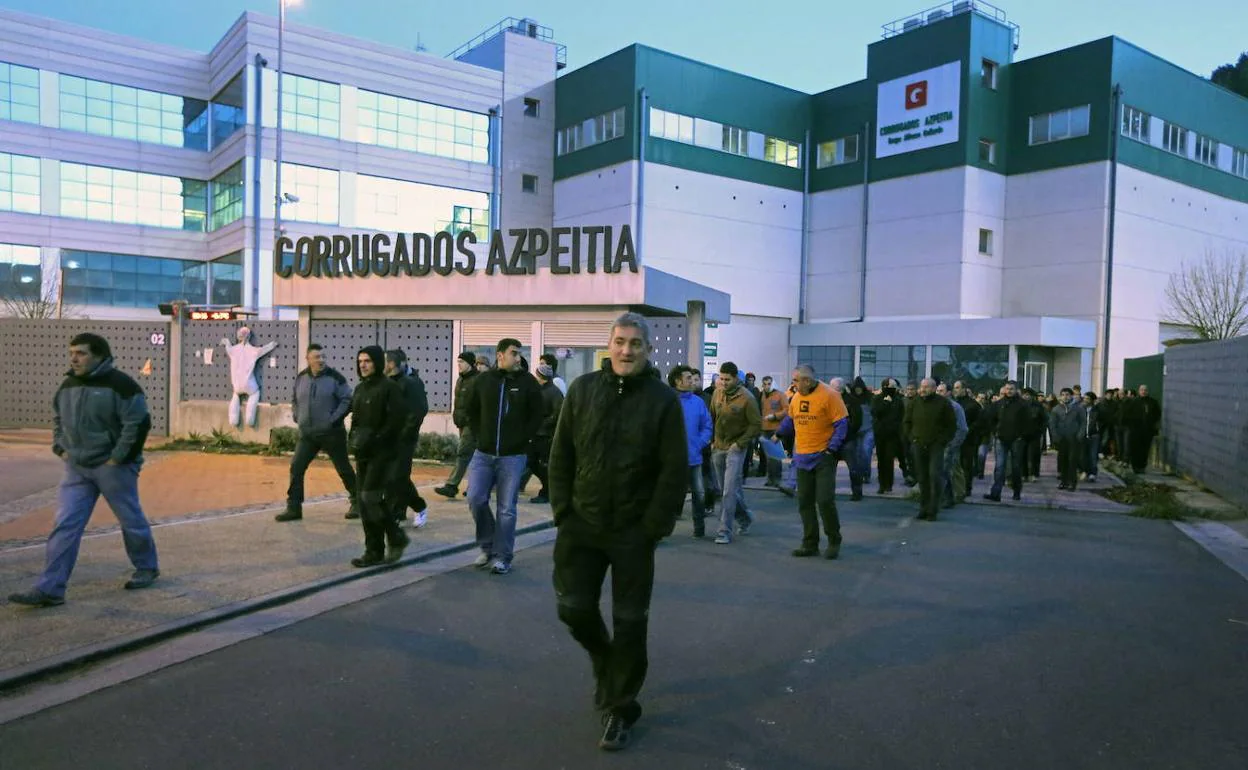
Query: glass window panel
98	90
1079	120
73	85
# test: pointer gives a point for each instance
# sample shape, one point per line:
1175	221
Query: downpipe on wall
1115	102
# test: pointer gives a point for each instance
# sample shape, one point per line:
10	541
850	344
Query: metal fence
34	358
427	344
206	366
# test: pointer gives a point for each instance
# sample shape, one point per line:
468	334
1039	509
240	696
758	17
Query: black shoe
142	578
926	517
911	481
996	498
1018	495
1062	486
353	512
367	560
539	500
615	733
292	513
856	495
833	551
395	551
949	504
803	552
448	491
36	598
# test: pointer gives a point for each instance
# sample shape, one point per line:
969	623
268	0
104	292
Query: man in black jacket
618	470
850	448
321	403
417	401
1141	417
467	364
539	456
887	412
930	424
378	416
1037	423
974	432
1011	418
504	410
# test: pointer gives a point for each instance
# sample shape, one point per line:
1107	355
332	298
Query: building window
528	183
531	107
985	242
229	110
735	140
396	205
123	112
431	129
905	363
19	183
225	278
227	197
591	131
129	197
783	152
1206	150
1062	124
1239	163
719	136
1174	138
21	274
1135	124
988	74
310	106
988	152
19	93
126	280
828	361
980	367
316	193
838	152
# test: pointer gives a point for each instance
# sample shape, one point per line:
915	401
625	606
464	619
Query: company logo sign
918	111
916	95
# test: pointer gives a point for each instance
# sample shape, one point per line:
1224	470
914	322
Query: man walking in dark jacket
849	451
1010	417
1068	422
974	432
321	403
539	455
417	401
504	409
467	364
930	424
887	412
100	422
1141	417
618	471
379	414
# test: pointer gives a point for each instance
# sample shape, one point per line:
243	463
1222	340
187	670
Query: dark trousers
467	445
1010	455
1139	444
816	492
1120	443
849	454
968	456
888	451
929	466
377	480
1031	464
1092	459
539	462
905	457
619	658
334	444
405	493
1068	459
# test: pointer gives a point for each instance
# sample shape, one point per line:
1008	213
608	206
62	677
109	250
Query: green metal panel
1068	78
985	112
593	90
1146	370
836	113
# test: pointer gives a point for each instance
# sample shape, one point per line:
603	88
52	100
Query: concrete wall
203	417
1205	415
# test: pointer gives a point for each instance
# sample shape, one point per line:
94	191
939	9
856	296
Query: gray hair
805	370
634	320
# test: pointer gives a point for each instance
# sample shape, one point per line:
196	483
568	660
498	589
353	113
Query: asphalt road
994	638
28	468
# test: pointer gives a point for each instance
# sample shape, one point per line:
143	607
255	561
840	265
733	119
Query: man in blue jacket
698	431
100	422
321	403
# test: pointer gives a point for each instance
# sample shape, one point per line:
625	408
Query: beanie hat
468	357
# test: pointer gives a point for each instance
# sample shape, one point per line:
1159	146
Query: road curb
19	676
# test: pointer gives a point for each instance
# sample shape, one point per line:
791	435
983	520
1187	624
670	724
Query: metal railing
526	27
945	11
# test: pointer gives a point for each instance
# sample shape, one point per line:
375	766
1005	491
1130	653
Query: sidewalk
220	549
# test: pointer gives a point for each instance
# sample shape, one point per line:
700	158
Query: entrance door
1036	375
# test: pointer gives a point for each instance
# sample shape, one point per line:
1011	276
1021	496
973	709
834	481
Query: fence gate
34	357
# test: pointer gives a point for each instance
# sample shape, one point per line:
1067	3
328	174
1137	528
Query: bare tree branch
20	301
1210	297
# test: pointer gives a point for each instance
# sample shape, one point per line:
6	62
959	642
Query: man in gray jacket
100	422
1067	423
322	401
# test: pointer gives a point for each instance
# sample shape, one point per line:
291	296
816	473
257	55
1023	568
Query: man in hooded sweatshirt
379	414
698	432
417	400
862	395
505	411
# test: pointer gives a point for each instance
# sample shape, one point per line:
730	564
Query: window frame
991	160
835	153
1132	115
529	183
532	107
985	243
1169	130
988	73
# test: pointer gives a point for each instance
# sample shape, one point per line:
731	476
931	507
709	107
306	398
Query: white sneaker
420	519
482	560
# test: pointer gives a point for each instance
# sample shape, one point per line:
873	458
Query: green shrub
437	446
283	439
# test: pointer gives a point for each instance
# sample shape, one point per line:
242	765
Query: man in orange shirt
819	422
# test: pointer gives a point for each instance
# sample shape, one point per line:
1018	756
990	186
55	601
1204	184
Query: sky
810	45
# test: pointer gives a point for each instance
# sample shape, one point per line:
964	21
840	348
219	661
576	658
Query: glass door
1036	375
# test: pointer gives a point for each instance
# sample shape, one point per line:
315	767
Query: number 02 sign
158	339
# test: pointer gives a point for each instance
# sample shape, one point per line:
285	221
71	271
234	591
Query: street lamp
278	199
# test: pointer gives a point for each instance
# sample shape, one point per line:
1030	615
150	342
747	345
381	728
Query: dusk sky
811	45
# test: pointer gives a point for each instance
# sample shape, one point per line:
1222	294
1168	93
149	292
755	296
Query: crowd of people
615	454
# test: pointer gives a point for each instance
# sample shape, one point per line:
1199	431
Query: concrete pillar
1085	369
305	332
1013	363
696	334
537	344
175	369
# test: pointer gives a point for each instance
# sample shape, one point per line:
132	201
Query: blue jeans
496	537
79	490
866	445
1014	454
728	466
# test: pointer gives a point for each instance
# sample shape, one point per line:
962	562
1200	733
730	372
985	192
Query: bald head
927	386
837	384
